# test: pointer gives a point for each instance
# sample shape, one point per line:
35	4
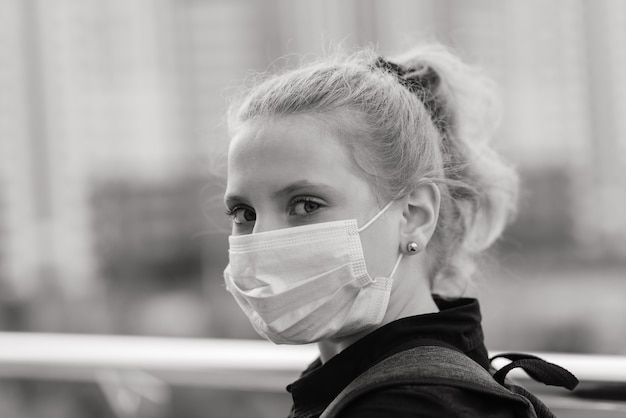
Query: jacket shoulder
425	402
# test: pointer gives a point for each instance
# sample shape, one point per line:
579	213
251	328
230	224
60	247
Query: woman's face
291	172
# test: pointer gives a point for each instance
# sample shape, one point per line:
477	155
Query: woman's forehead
289	141
284	151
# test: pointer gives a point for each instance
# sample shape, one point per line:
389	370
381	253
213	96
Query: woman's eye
305	207
242	215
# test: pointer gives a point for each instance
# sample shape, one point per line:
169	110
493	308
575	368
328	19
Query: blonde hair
398	136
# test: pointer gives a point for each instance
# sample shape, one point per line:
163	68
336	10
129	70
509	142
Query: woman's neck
410	296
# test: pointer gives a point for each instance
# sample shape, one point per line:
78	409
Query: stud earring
411	247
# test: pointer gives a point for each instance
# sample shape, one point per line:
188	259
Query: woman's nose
267	223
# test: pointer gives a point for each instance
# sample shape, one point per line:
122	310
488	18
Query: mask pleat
266	301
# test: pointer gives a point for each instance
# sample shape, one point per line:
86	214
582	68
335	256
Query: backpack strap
427	365
538	369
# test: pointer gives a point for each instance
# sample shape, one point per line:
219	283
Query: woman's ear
420	214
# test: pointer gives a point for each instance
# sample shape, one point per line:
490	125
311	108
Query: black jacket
457	325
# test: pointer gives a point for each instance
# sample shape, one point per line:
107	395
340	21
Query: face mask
308	283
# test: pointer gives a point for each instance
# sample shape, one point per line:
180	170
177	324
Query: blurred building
216	43
108	108
147	231
600	183
24	208
98	93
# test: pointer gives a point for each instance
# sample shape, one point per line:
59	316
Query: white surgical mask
308	283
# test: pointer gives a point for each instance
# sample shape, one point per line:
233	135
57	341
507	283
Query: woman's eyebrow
230	199
300	185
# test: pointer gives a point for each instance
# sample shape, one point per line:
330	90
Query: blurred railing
146	366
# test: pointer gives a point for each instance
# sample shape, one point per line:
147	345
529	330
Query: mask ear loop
423	181
395	266
371	221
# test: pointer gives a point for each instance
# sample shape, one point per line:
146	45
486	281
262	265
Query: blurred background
112	116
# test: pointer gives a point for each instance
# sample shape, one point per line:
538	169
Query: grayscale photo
312	209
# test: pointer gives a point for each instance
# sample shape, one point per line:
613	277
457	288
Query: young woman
361	191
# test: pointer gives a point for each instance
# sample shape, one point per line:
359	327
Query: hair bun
423	81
